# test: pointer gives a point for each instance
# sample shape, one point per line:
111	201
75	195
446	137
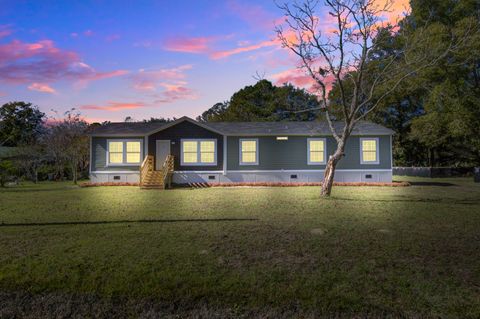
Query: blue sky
112	59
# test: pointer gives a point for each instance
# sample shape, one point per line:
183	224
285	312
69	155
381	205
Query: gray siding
99	155
292	154
185	130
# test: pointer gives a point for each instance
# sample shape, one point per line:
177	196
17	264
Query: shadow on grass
29	189
473	201
126	221
442	184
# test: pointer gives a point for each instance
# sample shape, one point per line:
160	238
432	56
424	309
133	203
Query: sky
113	59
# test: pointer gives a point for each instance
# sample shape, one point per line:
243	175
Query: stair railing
167	170
146	167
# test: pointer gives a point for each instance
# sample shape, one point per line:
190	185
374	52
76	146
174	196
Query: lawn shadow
472	201
126	221
441	184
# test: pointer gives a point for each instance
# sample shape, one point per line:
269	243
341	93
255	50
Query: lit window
133	152
115	152
124	152
190	149
316	151
199	152
207	151
249	152
369	150
282	138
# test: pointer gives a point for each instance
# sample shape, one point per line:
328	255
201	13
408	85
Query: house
186	151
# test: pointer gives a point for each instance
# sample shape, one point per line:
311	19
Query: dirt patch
62	305
318	231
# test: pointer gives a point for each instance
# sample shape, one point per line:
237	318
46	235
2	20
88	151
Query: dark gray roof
294	128
127	128
244	128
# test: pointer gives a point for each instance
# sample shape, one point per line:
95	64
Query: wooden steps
152	179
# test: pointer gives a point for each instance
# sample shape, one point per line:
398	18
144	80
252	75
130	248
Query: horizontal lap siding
99	155
187	130
292	153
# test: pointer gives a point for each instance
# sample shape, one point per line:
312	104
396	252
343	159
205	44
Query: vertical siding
292	154
185	130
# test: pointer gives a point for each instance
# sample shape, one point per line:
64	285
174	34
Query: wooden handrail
147	166
167	168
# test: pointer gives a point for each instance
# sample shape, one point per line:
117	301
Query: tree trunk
330	171
74	173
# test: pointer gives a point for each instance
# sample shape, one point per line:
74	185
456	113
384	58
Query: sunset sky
112	59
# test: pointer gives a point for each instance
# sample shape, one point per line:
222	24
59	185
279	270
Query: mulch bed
260	184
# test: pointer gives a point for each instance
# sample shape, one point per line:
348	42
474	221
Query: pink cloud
226	53
189	45
175	92
253	14
149	80
299	78
114	106
74	34
41	87
88	33
42	62
5	31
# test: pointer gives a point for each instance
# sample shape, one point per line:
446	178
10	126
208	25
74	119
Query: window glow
316	151
133	152
369	150
248	149
124	152
115	155
198	152
282	138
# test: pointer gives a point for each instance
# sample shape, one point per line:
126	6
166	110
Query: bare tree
343	56
69	143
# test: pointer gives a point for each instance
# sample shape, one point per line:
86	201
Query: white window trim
240	152
198	140
377	148
124	141
324	151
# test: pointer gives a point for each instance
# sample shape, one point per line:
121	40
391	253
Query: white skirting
290	176
114	177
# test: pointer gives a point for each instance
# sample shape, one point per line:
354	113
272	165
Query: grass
232	252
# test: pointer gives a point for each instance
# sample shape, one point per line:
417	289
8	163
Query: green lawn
233	252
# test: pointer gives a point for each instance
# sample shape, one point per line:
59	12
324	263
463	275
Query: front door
163	150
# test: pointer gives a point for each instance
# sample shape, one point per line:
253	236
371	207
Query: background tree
346	56
265	102
20	123
435	114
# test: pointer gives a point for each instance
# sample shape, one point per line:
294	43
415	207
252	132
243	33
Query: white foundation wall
108	177
373	176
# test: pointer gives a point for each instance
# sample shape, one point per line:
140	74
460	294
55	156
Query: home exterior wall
279	160
287	161
100	172
292	154
187	130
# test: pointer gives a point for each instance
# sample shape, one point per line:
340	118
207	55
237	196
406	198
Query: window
124	152
248	151
369	151
133	152
282	138
316	151
199	152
